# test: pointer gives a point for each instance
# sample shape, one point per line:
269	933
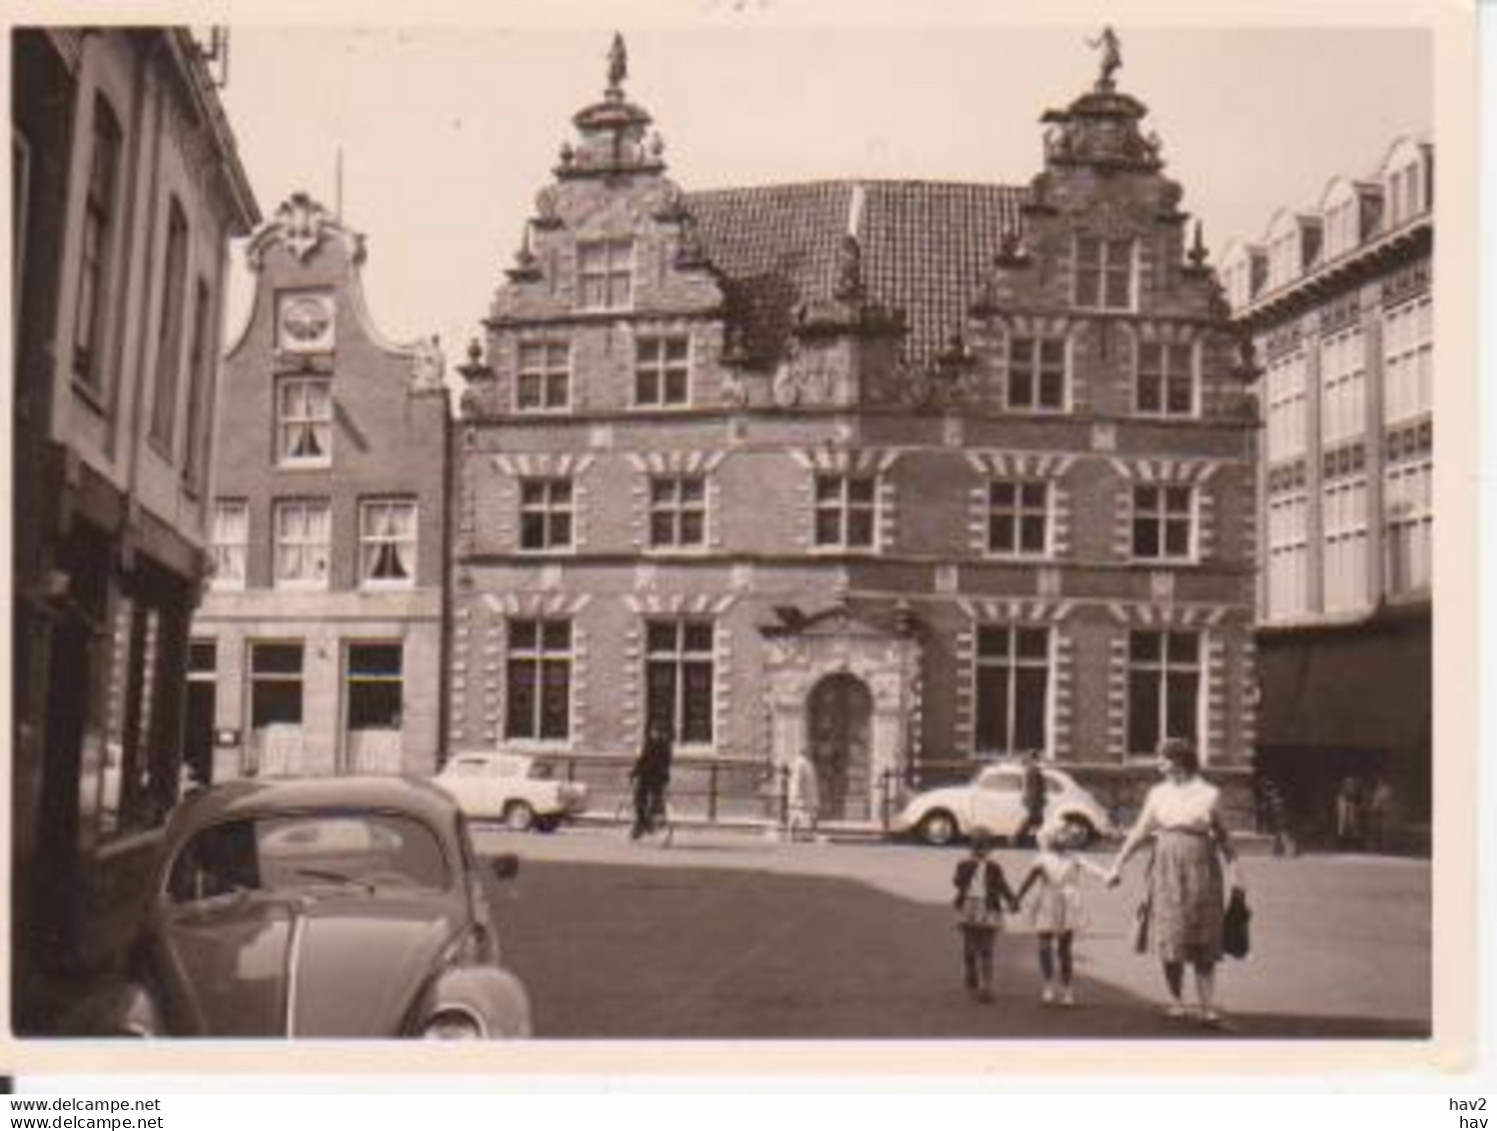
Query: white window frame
1408	360
674	508
1287	429
1026	354
255	677
308	546
843	506
227	551
661	368
371	539
352	680
616	271
1343	386
543	375
1165	375
1166	665
1409	525
1017	512
1010	664
286	422
1288	578
1345	530
1106	270
1165	516
536	657
98	267
679	657
549	511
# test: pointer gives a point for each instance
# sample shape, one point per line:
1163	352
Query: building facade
318	647
126	188
1339	302
908	475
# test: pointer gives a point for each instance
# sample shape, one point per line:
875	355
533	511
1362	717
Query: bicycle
661	823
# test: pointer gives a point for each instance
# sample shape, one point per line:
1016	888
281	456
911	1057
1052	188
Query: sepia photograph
759	531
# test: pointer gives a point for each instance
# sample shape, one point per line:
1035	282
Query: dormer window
1104	273
1404	187
605	274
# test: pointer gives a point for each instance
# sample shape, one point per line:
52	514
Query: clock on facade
304	323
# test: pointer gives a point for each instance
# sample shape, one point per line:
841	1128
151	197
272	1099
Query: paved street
728	935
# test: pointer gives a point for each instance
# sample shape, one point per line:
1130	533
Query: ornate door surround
804	653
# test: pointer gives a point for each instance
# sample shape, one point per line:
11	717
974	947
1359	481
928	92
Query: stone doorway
838	716
844	687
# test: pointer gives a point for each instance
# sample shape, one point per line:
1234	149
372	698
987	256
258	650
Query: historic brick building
906	474
318	648
125	189
1339	302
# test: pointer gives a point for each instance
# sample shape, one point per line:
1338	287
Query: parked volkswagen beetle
993	800
330	907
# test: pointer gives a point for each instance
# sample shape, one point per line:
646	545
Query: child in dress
1056	911
981	891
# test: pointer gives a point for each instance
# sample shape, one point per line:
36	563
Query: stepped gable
927	248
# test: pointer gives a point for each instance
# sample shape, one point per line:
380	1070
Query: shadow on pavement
626	951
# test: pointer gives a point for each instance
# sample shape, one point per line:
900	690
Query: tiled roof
926	248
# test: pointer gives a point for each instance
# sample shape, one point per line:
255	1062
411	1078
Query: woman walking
1185	878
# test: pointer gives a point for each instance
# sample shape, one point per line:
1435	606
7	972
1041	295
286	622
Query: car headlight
453	1025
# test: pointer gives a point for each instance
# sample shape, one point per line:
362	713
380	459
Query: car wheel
938	827
519	816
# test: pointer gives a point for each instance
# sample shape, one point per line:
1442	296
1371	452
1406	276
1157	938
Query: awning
1361	687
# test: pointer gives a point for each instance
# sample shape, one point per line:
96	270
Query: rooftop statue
1112	56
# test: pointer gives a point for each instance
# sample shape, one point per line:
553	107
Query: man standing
1033	798
804	796
650	775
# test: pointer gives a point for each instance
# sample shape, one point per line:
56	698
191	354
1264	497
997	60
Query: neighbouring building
318	647
906	474
125	190
1339	300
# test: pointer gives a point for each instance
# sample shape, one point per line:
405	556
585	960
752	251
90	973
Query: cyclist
650	775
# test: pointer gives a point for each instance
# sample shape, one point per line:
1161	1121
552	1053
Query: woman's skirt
1186	888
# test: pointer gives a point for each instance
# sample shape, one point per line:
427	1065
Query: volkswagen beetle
993	800
332	907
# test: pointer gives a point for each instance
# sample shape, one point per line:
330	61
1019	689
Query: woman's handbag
1235	925
1145	912
1141	924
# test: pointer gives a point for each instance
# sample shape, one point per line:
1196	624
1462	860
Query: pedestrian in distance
1185	897
981	894
650	775
1379	814
1349	802
1032	792
804	801
1273	813
1057	910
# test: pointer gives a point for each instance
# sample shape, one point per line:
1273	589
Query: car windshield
358	851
